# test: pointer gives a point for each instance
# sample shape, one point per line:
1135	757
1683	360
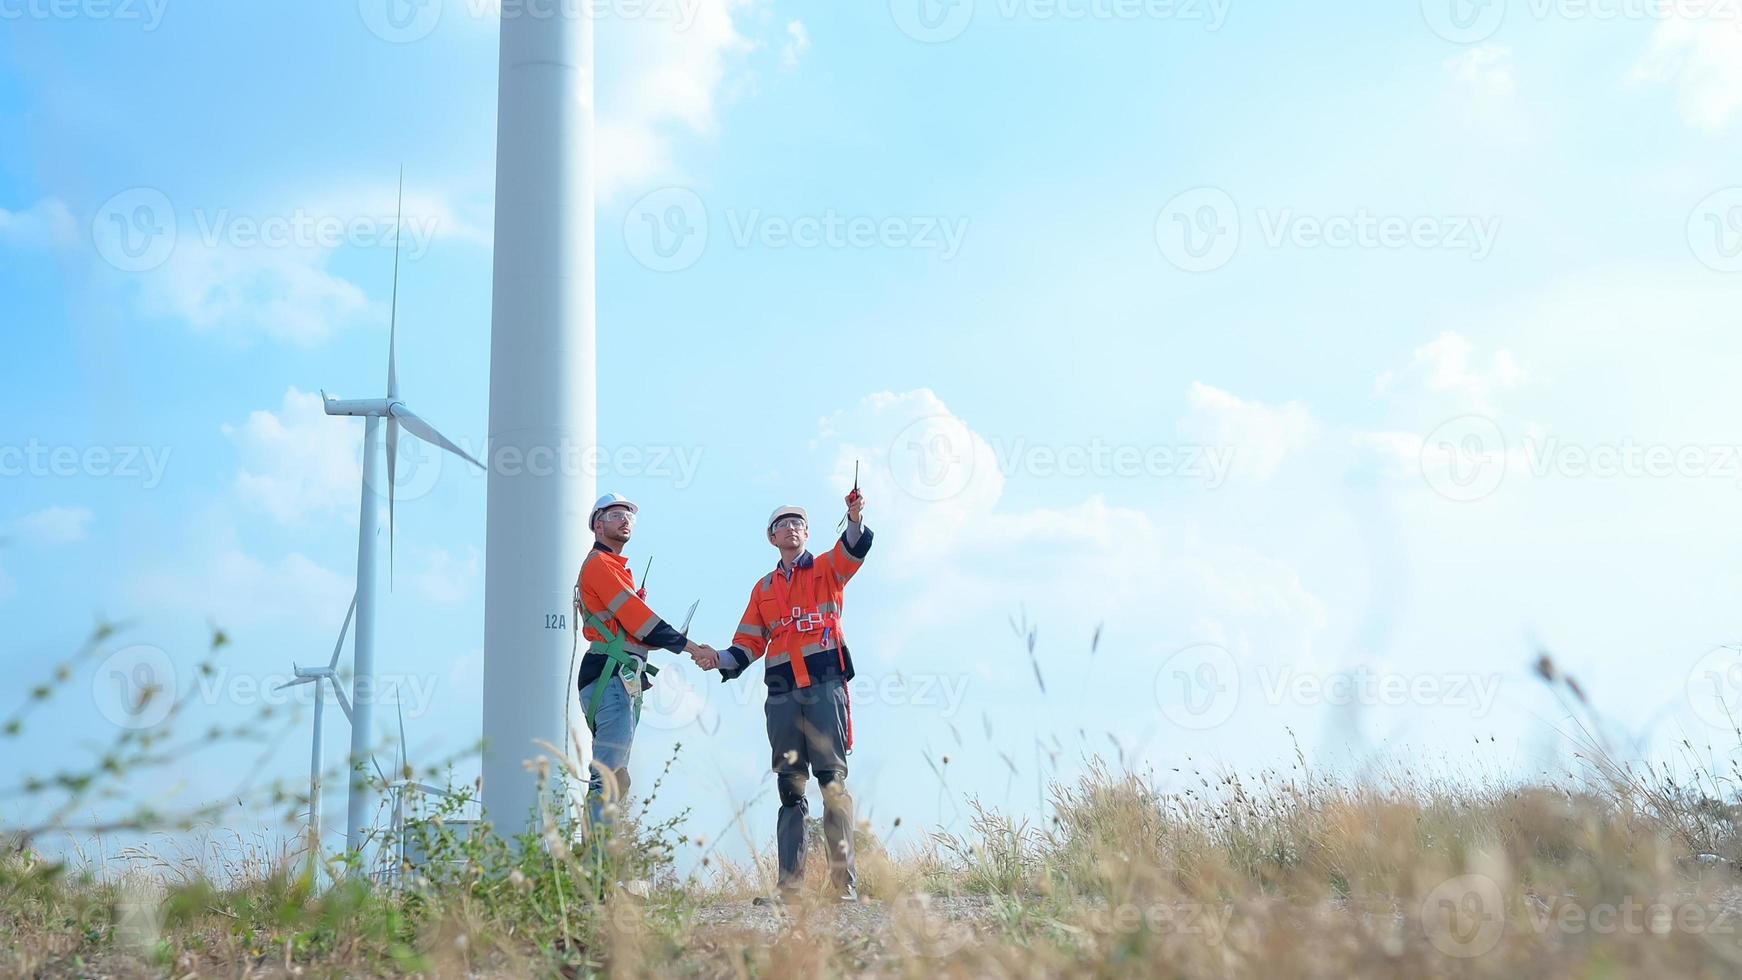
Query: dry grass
1289	875
1626	870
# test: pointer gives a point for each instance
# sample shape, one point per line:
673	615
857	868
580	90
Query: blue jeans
613	733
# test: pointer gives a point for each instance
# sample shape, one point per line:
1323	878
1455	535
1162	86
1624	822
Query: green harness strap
617	660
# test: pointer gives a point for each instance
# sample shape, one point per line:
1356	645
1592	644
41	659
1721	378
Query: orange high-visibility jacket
794	619
606	588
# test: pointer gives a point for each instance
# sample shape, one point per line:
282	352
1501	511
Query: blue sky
1277	342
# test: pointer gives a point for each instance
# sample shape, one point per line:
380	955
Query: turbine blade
378	772
423	430
344	702
399	706
393	318
392	477
299	680
334	663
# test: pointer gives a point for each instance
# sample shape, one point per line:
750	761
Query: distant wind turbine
318	676
373	410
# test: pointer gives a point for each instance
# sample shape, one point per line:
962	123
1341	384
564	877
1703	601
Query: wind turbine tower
542	396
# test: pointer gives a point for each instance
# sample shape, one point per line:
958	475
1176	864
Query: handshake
706	657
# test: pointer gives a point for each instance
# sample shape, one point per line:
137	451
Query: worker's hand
855	506
706	657
641	594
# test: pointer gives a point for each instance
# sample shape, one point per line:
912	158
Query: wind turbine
374	410
318	676
543	396
403	781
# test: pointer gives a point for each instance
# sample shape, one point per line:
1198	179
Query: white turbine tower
374	410
542	396
318	676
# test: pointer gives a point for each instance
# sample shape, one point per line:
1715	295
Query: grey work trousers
807	729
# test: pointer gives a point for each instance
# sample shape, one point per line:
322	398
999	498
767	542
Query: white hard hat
608	501
787	511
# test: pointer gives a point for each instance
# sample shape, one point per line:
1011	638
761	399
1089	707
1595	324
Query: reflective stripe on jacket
793	620
606	588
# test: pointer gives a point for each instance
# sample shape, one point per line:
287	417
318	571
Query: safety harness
618	662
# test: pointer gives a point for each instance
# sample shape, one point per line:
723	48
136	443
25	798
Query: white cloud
298	461
1486	68
1447	366
45	224
237	590
1261	435
282	293
798	41
935	491
672	79
56	525
1702	57
448	580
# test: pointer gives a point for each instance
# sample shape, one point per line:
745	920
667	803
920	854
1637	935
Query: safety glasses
618	516
794	523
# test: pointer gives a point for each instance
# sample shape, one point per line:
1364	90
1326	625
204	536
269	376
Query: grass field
1617	870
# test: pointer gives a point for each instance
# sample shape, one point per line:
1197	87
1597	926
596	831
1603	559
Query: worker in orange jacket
793	625
621	630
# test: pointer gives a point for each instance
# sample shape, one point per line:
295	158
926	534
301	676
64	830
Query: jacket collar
804	560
